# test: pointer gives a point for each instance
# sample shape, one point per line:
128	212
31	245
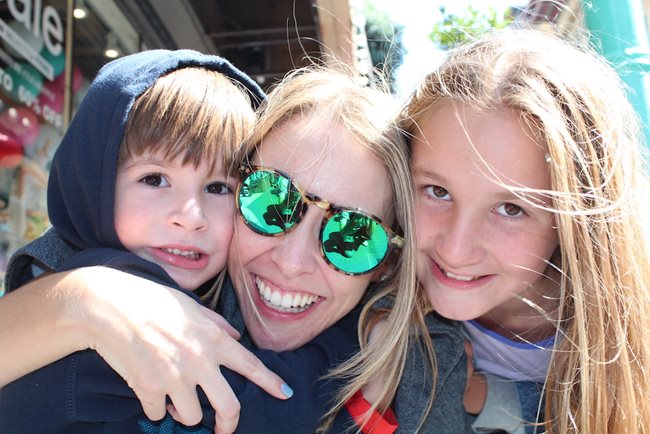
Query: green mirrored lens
353	242
269	202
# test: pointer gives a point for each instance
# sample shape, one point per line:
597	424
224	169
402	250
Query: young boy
140	183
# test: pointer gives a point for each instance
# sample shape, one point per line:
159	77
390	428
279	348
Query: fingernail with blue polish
286	390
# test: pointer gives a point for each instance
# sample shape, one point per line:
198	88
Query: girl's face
479	245
287	292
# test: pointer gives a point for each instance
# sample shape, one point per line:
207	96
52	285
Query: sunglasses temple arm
397	240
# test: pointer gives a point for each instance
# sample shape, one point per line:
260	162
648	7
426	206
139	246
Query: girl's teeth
458	276
296	302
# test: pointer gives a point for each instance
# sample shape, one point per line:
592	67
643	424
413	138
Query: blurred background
50	50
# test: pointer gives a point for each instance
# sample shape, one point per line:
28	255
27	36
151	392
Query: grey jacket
447	414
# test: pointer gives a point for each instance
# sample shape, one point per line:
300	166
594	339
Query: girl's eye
155	180
510	210
437	192
218	188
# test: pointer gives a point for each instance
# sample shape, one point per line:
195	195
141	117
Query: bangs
194	114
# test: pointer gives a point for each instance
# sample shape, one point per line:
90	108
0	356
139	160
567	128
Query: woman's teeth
295	302
187	253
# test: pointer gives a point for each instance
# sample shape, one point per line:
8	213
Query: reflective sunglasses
351	240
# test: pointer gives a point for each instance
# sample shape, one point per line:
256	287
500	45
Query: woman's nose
297	252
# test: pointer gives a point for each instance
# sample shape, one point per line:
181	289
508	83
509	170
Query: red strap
357	406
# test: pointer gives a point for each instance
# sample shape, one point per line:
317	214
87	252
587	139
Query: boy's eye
437	192
218	188
155	180
510	210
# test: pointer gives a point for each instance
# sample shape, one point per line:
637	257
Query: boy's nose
190	215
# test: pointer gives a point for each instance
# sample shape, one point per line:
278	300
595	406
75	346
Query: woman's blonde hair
322	98
576	106
194	113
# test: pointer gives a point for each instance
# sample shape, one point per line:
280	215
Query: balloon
11	149
22	122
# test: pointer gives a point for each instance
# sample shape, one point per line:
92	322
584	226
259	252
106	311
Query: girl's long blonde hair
599	380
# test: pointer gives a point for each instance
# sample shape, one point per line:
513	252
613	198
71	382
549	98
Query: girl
528	189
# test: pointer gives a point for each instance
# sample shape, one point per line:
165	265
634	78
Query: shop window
39	92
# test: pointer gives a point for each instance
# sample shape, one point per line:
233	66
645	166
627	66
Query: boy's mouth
188	258
189	254
293	302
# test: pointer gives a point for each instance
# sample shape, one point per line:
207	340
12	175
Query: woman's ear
387	268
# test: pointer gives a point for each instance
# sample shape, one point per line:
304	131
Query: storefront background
39	91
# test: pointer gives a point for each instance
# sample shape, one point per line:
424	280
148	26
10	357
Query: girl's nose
459	242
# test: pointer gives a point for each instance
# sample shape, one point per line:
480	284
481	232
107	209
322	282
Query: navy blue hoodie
82	394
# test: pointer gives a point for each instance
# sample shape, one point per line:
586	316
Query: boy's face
179	217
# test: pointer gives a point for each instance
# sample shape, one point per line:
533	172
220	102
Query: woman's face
289	268
479	246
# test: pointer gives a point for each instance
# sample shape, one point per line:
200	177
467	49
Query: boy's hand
164	344
476	389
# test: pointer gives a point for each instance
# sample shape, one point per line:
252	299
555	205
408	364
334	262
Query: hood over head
81	186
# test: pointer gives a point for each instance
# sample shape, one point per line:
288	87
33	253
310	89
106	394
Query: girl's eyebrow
506	195
420	171
503	195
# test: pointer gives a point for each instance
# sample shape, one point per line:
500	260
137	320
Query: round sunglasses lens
269	203
353	242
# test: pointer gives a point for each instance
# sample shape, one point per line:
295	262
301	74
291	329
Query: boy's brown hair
191	113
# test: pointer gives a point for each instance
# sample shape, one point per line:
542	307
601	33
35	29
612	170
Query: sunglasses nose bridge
312	199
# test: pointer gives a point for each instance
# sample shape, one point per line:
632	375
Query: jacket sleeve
46	252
